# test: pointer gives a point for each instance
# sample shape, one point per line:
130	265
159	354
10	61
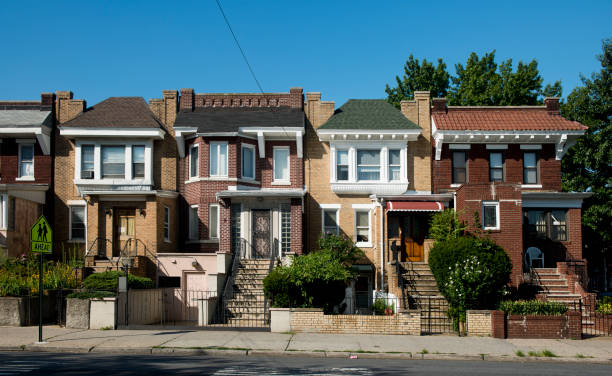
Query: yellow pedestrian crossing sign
41	236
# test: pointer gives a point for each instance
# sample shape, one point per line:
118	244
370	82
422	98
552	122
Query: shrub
382	308
445	225
604	305
107	281
533	307
90	295
341	247
470	272
20	276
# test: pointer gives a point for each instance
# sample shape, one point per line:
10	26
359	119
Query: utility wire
240	48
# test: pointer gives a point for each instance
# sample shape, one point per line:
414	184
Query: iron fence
434	317
595	323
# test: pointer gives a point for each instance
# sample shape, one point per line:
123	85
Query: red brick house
240	172
26	173
504	163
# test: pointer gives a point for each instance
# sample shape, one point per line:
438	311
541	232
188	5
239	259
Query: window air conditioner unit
87	174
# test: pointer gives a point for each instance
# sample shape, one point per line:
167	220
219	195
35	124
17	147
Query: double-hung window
26	160
281	164
362	227
213	221
166	224
490	215
459	167
248	161
530	168
87	162
394	165
77	222
218	159
113	162
138	161
194	223
330	222
193	161
342	165
368	165
496	166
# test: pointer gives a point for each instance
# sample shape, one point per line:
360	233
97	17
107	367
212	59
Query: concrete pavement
249	343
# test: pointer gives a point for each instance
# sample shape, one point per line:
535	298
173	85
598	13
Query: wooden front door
412	233
262	244
124	229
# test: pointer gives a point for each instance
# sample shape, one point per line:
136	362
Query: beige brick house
368	174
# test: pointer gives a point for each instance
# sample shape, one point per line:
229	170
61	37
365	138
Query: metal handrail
229	281
96	241
273	259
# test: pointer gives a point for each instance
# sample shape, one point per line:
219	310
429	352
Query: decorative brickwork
314	321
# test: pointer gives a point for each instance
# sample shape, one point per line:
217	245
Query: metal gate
594	324
434	319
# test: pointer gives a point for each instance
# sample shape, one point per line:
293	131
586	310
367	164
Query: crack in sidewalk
289	342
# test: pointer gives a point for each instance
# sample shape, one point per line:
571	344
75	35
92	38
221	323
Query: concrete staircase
554	286
421	292
247	307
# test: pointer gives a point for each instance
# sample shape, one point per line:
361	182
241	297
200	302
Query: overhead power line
238	44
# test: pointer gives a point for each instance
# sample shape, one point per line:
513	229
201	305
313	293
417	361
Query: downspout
382	253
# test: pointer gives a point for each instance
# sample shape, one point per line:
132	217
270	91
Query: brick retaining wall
314	321
479	322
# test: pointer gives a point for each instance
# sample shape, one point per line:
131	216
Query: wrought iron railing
273	259
101	243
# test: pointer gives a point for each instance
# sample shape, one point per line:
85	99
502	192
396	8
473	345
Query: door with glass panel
124	230
261	236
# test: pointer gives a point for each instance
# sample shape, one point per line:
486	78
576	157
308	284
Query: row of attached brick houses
183	181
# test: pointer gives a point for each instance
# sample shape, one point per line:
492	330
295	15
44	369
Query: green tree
587	166
419	76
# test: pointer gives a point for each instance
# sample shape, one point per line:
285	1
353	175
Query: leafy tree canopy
480	82
587	166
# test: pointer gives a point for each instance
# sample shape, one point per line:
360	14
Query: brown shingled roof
117	112
502	119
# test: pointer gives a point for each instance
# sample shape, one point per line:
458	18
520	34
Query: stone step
553	282
546	271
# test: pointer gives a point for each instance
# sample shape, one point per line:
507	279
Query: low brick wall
479	323
568	326
314	321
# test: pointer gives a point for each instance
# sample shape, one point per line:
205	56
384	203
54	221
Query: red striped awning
414	206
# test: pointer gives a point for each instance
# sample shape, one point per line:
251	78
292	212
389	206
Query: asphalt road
32	363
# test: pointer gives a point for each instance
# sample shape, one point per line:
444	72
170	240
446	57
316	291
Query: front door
412	232
123	230
262	244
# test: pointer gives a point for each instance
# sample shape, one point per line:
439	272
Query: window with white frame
77	222
281	164
248	161
342	165
138	161
87	161
213	221
194	223
193	161
368	165
166	224
113	162
26	160
490	215
362	227
218	159
330	221
395	165
3	211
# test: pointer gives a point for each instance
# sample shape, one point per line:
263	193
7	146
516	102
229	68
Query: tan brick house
504	163
26	174
368	173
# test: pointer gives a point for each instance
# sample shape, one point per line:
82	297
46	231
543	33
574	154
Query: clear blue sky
344	49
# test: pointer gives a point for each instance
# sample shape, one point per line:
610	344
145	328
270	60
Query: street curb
13	348
188	351
121	350
57	349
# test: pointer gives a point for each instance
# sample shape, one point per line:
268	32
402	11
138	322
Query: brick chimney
296	97
439	105
187	98
552	105
317	112
46	101
67	108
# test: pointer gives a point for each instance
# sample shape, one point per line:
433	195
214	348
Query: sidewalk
248	343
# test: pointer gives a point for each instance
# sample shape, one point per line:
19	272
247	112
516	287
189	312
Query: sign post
41	241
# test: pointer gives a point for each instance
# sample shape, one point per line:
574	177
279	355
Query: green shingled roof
368	114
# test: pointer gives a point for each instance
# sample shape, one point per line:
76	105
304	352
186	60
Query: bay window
138	161
87	162
218	159
113	162
368	165
194	161
395	165
342	165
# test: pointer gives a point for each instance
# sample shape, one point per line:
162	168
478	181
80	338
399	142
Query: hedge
91	295
107	281
533	307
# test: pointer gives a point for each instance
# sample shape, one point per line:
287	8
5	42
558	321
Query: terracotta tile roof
502	119
116	112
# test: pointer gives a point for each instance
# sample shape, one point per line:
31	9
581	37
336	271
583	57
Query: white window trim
335	164
218	159
167	239
497	219
330	207
191	236
252	147
367	244
71	204
128	179
4	211
218	221
191	177
288	179
21	143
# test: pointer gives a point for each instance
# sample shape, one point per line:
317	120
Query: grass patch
542	354
423	351
107	328
289	332
519	353
364	352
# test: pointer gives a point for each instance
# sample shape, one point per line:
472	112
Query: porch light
143	212
108	212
